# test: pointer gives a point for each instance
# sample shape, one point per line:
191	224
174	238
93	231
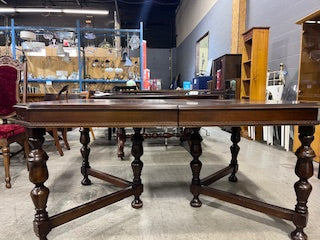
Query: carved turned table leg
195	164
121	138
85	151
137	164
38	174
235	139
304	170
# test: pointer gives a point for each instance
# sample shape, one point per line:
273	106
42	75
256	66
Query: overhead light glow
86	11
54	10
7	10
26	10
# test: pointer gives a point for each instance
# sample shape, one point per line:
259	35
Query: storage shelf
77	80
108	81
78	31
247	62
52	80
246	80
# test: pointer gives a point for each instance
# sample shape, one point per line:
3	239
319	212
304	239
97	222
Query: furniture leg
195	164
92	134
26	147
56	141
166	139
109	133
6	163
304	170
26	150
121	138
235	139
186	135
85	151
65	139
38	174
137	164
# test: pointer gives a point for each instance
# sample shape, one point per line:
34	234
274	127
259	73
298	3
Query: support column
304	170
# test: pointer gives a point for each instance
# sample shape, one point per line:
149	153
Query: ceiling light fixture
7	10
86	11
54	10
29	10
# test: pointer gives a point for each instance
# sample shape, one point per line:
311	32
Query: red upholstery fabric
8	78
9	130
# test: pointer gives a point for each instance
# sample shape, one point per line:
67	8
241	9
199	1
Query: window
202	54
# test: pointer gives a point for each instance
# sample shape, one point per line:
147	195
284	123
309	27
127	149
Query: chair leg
6	162
56	141
26	151
64	137
92	133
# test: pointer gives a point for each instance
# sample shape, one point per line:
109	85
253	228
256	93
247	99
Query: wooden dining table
140	113
155	94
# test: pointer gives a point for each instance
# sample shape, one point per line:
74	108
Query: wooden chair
10	71
54	132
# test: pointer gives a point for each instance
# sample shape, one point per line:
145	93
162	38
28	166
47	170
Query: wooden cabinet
309	71
254	63
226	74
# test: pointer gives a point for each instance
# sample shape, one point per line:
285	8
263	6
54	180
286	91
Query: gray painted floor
265	173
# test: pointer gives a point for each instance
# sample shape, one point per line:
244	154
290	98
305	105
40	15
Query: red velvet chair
9	95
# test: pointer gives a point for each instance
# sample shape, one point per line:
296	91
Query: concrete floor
265	173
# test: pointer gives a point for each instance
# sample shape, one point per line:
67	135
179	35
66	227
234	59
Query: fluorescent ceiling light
54	10
24	10
86	11
7	10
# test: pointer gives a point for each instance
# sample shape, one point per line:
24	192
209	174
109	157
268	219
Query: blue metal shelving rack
78	30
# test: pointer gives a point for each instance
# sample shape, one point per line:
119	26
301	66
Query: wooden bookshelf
254	67
254	63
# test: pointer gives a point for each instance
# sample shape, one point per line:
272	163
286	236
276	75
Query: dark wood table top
164	112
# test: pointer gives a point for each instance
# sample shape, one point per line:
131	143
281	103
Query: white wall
189	14
217	21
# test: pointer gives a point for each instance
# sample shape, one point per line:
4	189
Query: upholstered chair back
9	85
8	90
